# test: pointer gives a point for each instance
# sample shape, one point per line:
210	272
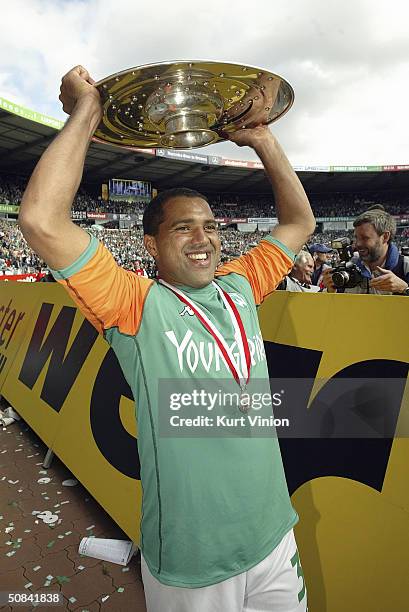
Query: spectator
320	254
299	279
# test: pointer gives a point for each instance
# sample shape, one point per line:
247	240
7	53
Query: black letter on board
364	459
112	439
62	371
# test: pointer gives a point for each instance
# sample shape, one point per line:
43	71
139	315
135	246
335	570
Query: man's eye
211	228
183	227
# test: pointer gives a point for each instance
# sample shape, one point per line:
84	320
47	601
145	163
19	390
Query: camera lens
340	279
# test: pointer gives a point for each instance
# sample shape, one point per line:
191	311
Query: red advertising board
237	163
242	163
395	168
26	278
92	215
231	220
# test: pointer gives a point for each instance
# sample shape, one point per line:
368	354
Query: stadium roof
25	134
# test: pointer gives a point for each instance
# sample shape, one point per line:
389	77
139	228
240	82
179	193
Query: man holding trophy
217	526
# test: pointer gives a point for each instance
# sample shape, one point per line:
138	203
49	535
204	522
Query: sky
348	62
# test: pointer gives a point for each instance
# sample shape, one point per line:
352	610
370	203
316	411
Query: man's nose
199	236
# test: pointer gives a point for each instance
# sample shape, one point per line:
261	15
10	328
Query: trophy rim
155	139
194	61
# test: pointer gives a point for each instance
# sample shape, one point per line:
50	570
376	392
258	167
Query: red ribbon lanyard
215	333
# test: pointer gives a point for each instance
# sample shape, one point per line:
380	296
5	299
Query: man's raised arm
296	221
45	211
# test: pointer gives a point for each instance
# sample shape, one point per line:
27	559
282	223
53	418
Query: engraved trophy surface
188	104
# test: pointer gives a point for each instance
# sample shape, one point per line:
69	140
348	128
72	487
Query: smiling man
299	279
181	235
383	270
216	532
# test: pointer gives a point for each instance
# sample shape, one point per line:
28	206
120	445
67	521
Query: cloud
348	62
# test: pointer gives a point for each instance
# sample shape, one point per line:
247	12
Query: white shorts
276	584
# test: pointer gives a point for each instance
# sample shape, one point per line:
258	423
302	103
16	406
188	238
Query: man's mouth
197	255
201	258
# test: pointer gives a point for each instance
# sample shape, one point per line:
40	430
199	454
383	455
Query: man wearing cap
320	253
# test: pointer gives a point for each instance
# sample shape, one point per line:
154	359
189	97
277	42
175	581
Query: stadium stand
127	244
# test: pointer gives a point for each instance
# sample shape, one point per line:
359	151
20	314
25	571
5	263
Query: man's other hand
388	281
327	281
75	85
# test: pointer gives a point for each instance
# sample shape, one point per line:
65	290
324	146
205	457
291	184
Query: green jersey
215	500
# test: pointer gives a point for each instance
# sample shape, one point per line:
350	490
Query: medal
244	400
241	375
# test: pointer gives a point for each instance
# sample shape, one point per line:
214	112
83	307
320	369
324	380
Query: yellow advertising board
352	493
67	384
16	304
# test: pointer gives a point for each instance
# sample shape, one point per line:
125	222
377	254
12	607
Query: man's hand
327	280
76	85
45	210
295	218
388	281
250	137
251	128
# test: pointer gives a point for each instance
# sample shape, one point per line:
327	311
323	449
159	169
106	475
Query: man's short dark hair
381	220
154	213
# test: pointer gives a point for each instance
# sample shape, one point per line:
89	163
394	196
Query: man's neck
187	287
294	278
379	262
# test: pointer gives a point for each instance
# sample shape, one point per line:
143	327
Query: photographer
379	268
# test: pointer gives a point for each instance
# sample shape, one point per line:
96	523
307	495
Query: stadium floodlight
188	104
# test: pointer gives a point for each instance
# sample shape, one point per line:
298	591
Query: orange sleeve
107	295
264	266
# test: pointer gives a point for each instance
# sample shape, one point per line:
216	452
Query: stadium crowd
334	205
16	257
227	205
127	246
128	249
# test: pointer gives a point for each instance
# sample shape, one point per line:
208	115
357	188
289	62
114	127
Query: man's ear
386	236
150	245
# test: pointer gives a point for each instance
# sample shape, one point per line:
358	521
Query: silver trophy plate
188	104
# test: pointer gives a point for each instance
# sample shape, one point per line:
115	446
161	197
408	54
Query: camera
346	274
